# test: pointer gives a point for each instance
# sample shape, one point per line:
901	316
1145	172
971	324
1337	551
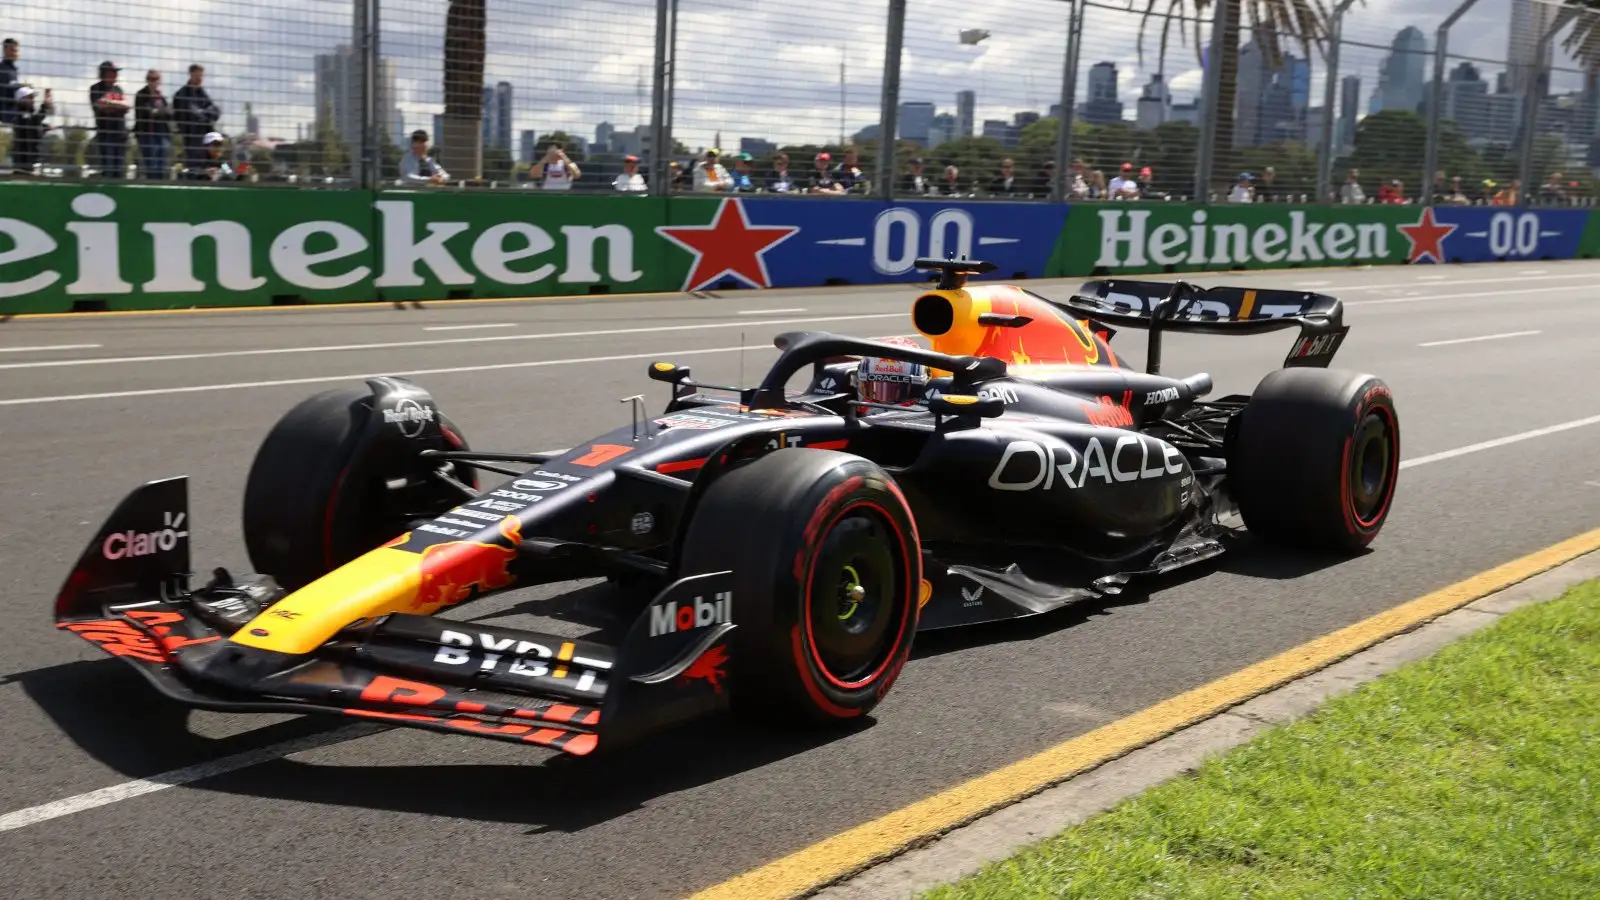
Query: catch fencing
1201	101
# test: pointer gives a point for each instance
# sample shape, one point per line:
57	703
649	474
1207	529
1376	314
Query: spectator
1552	191
151	125
1078	183
630	181
110	107
556	171
1124	187
780	182
848	174
10	81
1351	192
1454	196
1266	191
1097	185
823	180
1047	177
1438	184
1147	187
1242	191
710	176
417	167
952	181
1511	196
1005	184
213	167
742	182
675	177
915	184
1393	193
196	116
28	129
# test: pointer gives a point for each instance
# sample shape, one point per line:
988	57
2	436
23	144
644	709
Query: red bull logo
452	570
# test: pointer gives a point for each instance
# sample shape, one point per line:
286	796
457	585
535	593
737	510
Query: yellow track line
849	852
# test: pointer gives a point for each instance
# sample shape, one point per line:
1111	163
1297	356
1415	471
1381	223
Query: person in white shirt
417	167
1242	191
557	170
630	181
1351	191
1124	186
710	176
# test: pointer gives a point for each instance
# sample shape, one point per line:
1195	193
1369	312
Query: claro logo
1134	458
130	544
675	617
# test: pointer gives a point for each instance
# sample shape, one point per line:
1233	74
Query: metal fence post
888	119
1531	101
1210	104
1069	100
378	139
1436	99
660	137
362	163
1330	95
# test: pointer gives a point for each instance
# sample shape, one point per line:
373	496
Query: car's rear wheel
1315	459
827	568
316	496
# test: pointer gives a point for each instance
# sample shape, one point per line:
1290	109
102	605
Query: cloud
744	69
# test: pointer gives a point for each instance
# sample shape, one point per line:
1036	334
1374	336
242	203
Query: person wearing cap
742	182
28	128
110	107
915	183
417	167
1124	186
1242	191
196	116
630	181
213	167
152	127
822	177
710	176
1147	187
10	81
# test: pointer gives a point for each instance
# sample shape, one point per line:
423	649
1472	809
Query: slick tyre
1314	459
313	502
827	568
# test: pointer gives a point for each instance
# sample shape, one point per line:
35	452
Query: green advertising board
1139	238
66	247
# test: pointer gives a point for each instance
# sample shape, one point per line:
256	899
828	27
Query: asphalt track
403	813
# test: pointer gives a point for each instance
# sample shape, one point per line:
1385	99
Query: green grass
1474	773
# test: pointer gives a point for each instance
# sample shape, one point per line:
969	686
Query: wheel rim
1372	467
851	607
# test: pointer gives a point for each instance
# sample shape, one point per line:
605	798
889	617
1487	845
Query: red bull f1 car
784	543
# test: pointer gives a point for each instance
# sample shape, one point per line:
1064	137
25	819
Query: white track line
770	312
51	347
1483	337
66	806
1430	297
436	342
469	327
127	790
281	382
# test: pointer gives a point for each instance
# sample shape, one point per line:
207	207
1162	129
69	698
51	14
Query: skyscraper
338	92
1349	109
966	107
1103	107
916	121
1155	102
1401	83
1270	103
1529	19
497	116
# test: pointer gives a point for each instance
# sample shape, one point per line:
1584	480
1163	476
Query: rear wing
1179	306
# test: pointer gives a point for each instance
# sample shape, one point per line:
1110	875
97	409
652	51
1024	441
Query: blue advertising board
1491	233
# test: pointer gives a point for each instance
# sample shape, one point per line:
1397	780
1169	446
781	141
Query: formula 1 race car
784	548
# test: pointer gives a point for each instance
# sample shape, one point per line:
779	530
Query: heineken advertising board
93	246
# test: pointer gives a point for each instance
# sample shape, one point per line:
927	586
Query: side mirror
966	405
671	373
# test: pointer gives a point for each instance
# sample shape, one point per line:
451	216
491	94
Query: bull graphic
450	571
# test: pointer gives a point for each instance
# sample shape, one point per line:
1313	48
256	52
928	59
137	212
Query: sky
754	68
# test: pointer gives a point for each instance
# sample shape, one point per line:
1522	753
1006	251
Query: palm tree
461	145
1272	23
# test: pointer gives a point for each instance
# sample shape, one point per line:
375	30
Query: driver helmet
891	381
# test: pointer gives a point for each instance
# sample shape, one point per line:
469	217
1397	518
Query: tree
1272	22
464	42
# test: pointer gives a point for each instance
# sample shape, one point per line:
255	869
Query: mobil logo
671	618
451	570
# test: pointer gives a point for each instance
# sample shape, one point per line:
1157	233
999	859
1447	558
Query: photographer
557	170
28	129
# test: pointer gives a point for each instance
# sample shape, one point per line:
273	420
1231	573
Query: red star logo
730	245
1427	237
